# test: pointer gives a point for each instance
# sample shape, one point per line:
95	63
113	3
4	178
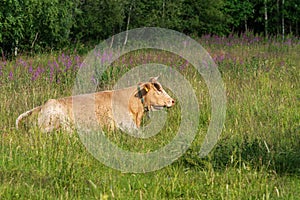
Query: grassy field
256	157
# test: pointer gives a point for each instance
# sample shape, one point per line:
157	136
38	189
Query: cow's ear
147	87
144	89
153	79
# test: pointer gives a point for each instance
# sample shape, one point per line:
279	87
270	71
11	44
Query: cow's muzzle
170	103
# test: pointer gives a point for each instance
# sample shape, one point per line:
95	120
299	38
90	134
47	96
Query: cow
112	108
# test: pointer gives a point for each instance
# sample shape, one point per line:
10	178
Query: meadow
256	157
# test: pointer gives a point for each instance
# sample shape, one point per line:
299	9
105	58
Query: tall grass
256	157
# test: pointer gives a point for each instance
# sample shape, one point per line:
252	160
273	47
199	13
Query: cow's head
155	97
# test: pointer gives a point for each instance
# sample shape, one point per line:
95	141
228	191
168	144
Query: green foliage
239	12
97	20
162	13
33	24
204	17
12	24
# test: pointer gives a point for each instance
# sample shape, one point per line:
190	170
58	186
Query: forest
35	25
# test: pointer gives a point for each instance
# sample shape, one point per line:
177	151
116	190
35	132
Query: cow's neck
140	95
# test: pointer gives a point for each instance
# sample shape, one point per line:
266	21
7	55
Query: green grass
256	157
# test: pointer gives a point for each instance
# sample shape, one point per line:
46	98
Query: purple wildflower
215	58
30	69
55	64
184	65
22	62
68	65
289	42
78	62
11	75
37	73
221	58
103	58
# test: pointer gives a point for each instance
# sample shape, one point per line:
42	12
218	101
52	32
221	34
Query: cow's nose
171	102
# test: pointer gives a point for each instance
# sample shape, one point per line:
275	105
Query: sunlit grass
256	157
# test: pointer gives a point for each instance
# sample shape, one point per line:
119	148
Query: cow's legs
138	119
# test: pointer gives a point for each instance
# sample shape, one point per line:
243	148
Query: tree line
35	25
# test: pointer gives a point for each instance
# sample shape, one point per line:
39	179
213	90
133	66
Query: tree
291	16
203	17
240	11
32	24
97	20
11	26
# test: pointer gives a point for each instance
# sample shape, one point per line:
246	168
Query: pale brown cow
114	108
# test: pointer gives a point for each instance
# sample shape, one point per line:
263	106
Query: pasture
256	157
